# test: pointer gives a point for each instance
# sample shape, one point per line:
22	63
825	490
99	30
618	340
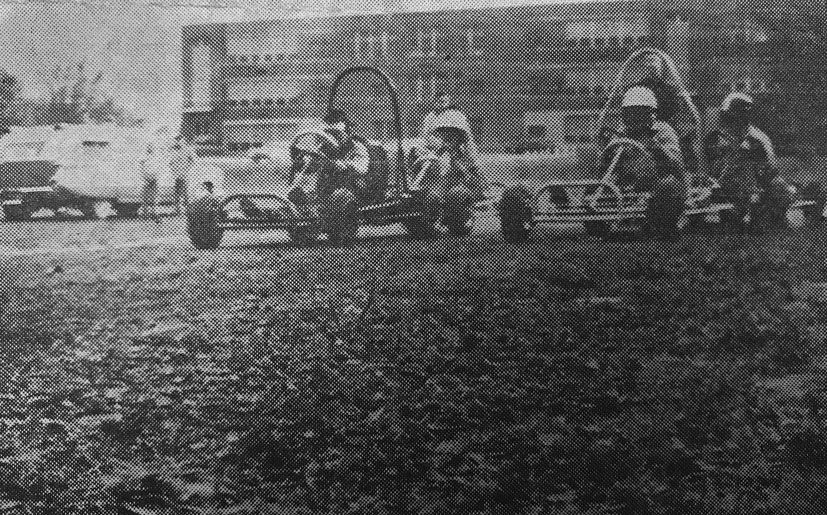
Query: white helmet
639	96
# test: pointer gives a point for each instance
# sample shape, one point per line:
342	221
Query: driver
450	142
348	166
660	169
743	159
638	112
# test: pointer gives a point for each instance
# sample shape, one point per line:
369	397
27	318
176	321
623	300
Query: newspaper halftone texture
422	257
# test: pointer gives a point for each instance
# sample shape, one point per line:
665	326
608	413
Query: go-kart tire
665	209
424	225
458	211
203	223
342	217
515	214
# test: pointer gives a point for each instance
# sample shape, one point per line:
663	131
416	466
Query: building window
472	39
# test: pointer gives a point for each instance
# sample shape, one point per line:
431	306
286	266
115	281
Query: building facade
538	72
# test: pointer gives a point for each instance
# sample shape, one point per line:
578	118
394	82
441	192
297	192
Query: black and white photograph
427	257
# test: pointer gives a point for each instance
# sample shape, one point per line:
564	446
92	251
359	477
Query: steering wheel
606	134
625	144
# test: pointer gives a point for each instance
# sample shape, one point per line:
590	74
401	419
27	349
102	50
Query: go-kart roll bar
682	90
401	176
670	64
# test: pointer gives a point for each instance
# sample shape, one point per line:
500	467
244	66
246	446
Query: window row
426	42
608	43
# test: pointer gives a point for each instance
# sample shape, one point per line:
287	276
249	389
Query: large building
541	72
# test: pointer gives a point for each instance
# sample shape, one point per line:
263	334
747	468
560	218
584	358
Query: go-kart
312	198
608	204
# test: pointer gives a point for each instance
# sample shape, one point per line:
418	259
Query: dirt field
568	375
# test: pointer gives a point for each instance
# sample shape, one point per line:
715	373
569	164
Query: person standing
180	162
149	196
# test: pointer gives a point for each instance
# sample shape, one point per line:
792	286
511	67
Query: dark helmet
335	116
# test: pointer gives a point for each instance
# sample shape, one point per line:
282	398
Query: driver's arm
666	149
359	159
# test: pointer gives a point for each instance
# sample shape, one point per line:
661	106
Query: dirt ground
462	375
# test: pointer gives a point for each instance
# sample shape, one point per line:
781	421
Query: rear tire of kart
424	225
458	211
203	223
515	214
16	213
342	217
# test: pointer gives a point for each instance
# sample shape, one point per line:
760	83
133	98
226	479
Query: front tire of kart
203	223
515	214
665	209
342	217
458	208
424	225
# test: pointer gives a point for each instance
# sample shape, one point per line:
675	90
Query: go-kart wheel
665	208
203	223
458	209
424	224
515	214
342	217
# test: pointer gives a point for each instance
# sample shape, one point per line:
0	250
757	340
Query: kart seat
376	182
